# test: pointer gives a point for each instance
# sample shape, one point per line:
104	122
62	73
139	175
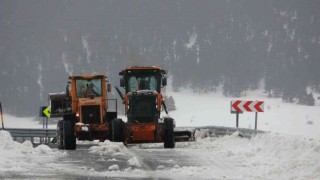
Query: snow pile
114	167
134	162
23	157
110	151
108	148
9	146
265	156
287	157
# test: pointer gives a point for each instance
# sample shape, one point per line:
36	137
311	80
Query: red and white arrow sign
247	106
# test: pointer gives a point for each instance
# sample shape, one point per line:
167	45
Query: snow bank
10	147
17	157
265	156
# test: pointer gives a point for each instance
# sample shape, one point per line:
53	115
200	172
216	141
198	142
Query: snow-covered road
265	156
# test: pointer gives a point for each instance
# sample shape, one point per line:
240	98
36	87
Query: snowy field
290	151
11	121
214	109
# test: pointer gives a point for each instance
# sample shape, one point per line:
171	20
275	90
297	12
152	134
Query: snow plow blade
216	131
183	135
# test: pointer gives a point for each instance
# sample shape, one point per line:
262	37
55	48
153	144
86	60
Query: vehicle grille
142	108
90	114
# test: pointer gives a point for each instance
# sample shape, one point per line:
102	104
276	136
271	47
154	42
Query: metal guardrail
220	131
36	136
47	136
214	131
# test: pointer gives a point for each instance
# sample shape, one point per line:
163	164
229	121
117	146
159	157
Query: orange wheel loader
84	108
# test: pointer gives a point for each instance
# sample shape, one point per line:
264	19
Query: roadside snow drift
16	157
265	156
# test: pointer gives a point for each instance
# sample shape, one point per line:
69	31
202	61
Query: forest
236	45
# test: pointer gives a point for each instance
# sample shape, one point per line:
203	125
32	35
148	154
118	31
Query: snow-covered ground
11	121
290	151
214	109
265	156
21	158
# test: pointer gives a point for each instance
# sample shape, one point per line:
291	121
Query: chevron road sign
239	106
247	106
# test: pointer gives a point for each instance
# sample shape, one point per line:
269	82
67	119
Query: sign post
1	116
256	121
239	106
45	114
233	111
237	119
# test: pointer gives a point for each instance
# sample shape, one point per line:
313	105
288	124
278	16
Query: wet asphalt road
80	164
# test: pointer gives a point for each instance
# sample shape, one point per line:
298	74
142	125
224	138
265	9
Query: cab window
88	87
142	83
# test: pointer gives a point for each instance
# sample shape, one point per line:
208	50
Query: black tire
117	130
110	134
60	134
69	139
169	133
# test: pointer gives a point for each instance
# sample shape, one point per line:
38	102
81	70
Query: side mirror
164	81
122	82
109	87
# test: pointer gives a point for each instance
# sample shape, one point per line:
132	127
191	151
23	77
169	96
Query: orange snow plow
84	108
143	103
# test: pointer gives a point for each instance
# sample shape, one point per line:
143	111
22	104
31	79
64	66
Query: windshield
142	83
88	87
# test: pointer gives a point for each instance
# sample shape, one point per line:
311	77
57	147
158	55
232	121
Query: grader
143	103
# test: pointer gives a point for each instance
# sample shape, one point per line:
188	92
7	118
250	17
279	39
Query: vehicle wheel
117	130
110	134
69	139
169	133
60	134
